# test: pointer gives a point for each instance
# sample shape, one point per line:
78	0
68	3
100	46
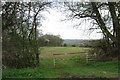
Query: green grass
47	52
74	66
63	49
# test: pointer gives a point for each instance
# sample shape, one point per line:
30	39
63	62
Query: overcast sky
54	24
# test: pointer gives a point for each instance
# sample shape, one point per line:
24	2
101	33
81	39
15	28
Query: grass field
70	62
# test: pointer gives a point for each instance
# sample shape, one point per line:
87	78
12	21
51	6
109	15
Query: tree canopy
20	36
50	40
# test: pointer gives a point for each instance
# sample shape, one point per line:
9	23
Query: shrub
103	50
73	45
65	45
17	53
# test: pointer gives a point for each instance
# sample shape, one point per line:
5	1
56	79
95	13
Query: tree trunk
116	25
115	38
101	22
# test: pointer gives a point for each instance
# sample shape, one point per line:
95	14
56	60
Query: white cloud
53	24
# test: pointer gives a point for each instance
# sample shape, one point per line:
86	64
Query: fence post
54	62
89	57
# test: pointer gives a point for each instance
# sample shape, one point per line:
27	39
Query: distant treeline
49	40
78	43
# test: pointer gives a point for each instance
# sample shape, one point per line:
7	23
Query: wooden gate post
89	57
54	62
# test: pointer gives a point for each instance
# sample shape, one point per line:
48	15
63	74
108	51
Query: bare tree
105	15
